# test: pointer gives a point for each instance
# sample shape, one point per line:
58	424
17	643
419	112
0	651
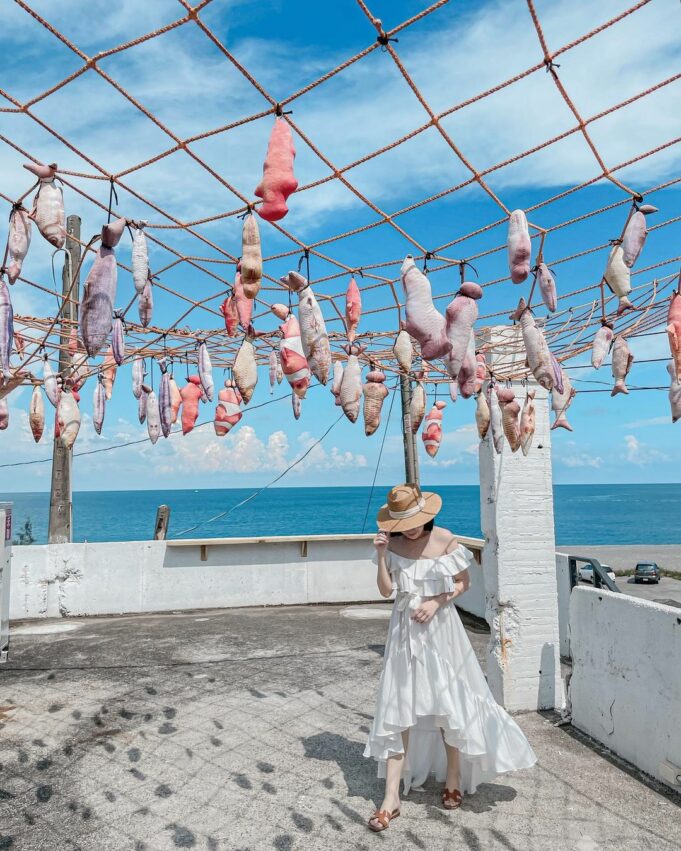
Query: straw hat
407	508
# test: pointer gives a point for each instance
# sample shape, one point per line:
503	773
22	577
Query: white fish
18	241
246	370
496	424
404	351
142	404
417	409
528	419
560	402
206	370
482	415
674	392
622	360
98	406
547	287
536	347
68	418
145	303
296	402
153	417
337	380
6	329
48	206
273	370
4	414
138	375
313	333
601	344
140	257
50	382
350	392
519	246
618	278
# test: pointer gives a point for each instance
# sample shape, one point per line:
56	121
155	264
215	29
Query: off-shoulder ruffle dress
431	681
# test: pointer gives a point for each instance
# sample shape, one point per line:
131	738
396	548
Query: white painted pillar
518	560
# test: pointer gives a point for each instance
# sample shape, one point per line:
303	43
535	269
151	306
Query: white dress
431	681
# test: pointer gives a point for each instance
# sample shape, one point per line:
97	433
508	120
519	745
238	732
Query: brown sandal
383	817
451	800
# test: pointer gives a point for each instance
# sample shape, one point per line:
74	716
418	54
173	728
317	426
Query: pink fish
557	373
674	331
281	311
560	402
18	241
417	409
351	386
482	415
230	315
528	420
36	413
635	234
4	414
375	393
353	309
480	371
273	370
251	257
19	344
293	361
244	305
424	323
118	337
191	393
547	287
68	418
48	205
510	412
495	419
296	404
432	429
519	246
278	180
145	303
175	400
461	314
228	410
622	360
466	377
601	344
96	310
108	372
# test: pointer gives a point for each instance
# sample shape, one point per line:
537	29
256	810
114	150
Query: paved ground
244	729
625	557
666	591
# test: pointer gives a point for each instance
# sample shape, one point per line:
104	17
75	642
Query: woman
432	693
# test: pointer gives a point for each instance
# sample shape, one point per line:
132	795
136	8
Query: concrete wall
155	576
564	588
626	681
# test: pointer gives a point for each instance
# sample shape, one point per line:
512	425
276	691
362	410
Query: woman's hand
381	542
426	611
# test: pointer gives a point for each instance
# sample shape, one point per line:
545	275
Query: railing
601	578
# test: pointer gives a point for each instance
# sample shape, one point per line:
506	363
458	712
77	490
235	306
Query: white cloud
652	421
581	459
640	454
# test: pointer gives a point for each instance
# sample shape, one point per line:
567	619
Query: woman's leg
453	779
393	775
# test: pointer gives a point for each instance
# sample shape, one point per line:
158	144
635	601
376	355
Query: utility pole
411	458
60	530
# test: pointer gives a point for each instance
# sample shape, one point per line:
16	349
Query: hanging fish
601	344
466	377
246	370
175	400
510	413
280	371
79	367
432	429
480	371
519	246
205	370
281	311
496	426
635	233
618	277
453	390
142	403
351	385
19	344
138	375
68	418
273	370
293	360
674	331
140	257
557	373
461	314
153	417
165	408
417	408
108	372
98	406
528	421
18	241
278	180
4	414
424	323
145	303
536	347
6	328
118	338
674	392
296	404
48	205
560	402
36	414
191	393
244	305
482	415
230	314
50	382
313	334
251	257
353	309
96	310
375	393
547	287
404	351
337	380
228	410
622	360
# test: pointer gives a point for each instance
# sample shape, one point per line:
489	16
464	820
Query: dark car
647	571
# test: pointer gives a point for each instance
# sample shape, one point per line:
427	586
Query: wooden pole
162	523
60	525
411	458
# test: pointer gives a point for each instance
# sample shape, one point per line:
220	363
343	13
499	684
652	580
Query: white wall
564	589
626	680
155	576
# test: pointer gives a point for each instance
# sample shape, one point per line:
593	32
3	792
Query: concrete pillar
518	560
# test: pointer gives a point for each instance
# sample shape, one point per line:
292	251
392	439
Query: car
586	572
647	571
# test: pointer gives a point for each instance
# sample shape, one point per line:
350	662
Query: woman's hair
427	527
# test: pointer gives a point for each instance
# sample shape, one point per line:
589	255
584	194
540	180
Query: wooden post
162	523
60	526
411	458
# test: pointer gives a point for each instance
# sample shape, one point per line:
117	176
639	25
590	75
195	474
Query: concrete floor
666	591
244	729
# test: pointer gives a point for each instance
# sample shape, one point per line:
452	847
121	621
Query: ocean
584	514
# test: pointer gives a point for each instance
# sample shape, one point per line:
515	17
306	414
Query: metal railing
601	578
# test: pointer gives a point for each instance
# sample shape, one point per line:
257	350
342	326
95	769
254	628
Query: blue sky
453	54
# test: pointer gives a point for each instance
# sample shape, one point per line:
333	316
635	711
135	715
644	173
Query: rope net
194	261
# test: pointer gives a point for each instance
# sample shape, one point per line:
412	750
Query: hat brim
386	523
